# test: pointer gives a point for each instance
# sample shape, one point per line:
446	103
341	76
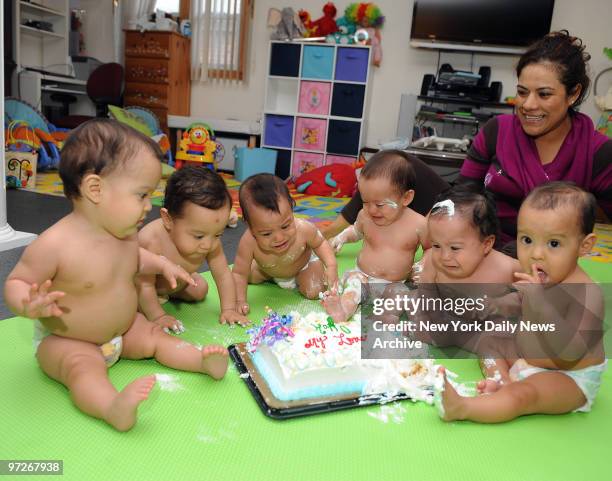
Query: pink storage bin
310	133
339	159
304	162
314	98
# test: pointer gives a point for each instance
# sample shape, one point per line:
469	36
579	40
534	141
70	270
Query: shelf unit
38	48
456	117
315	104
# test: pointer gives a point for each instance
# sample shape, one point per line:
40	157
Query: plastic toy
334	180
198	146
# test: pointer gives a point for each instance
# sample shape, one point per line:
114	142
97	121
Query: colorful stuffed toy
369	17
334	180
325	25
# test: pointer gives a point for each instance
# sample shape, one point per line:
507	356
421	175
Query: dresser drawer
146	70
147	44
146	95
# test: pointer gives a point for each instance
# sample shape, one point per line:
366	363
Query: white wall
403	67
97	28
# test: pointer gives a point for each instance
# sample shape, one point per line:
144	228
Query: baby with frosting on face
277	246
390	230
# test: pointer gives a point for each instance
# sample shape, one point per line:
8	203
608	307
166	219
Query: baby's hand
230	316
173	272
524	278
41	303
337	243
170	323
242	307
332	281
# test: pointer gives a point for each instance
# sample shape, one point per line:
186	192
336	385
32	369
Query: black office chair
104	88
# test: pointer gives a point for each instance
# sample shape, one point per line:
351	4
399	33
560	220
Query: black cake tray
277	409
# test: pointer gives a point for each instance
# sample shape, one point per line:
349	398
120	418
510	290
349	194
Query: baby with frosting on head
277	246
548	371
462	228
195	213
390	229
77	280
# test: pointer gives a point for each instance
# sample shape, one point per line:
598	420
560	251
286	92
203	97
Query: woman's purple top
506	160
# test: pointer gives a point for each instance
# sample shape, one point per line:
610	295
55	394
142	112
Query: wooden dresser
157	73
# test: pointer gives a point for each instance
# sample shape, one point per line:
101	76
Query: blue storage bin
285	59
347	100
352	64
250	161
318	62
278	130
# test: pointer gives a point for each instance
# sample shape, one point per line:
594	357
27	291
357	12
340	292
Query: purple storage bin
352	64
278	130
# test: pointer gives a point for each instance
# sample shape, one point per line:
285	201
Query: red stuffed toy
325	25
334	180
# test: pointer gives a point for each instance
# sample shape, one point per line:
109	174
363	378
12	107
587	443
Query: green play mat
193	428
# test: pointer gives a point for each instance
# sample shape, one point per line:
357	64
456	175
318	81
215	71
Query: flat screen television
502	26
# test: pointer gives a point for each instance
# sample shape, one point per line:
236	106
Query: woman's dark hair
393	165
473	203
552	195
263	190
567	55
196	184
99	146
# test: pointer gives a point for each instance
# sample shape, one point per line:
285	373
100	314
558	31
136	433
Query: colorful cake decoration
273	327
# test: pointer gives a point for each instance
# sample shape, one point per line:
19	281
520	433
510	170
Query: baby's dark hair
567	55
473	203
263	190
196	184
393	165
100	146
557	194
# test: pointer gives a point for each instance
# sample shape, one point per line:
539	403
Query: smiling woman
546	139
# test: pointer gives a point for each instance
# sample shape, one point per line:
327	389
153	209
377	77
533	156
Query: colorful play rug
193	428
318	210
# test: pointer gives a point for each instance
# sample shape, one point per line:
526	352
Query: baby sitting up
277	246
549	372
195	213
77	278
390	230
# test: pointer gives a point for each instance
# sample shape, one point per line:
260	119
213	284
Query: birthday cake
309	356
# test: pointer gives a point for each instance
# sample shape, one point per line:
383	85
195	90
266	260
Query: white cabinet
315	104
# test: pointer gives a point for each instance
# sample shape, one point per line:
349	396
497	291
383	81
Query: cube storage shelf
315	104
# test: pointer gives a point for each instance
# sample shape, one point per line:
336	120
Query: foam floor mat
195	428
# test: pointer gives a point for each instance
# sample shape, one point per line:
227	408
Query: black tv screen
486	25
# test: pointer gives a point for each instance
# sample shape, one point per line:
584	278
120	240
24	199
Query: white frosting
323	355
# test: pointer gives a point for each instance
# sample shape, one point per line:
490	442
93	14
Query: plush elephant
287	22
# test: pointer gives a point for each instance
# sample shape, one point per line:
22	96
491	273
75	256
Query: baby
77	278
391	231
555	228
277	246
462	228
195	213
462	262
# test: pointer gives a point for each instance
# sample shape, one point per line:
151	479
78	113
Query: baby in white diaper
556	369
391	232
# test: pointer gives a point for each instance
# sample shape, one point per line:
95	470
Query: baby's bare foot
122	412
333	306
488	386
214	361
453	405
